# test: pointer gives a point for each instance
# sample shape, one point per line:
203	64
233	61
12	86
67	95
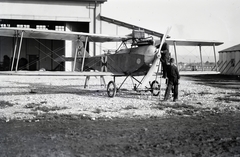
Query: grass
5	104
48	109
38	107
130	107
32	105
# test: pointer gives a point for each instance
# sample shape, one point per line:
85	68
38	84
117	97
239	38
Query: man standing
173	77
165	55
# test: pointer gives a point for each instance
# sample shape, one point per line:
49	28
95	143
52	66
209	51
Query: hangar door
37	54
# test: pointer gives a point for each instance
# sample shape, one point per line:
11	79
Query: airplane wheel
155	88
111	89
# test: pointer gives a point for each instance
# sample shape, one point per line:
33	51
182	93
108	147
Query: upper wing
59	35
185	42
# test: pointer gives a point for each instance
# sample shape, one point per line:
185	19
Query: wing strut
175	50
214	49
84	54
19	51
75	57
14	53
200	50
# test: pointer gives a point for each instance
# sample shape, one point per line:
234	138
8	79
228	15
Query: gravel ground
24	97
56	116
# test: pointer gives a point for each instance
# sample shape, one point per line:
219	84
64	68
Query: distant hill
195	58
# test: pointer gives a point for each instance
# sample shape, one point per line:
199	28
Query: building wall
229	59
237	63
231	63
73	14
47	11
220	62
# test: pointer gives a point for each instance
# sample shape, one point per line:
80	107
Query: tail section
80	55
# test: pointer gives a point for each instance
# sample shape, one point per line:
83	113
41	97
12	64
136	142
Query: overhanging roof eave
231	49
130	26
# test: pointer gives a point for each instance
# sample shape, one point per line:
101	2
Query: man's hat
171	60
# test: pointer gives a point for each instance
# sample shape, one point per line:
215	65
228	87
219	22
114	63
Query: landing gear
111	89
155	88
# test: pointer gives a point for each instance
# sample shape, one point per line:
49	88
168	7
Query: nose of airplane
150	55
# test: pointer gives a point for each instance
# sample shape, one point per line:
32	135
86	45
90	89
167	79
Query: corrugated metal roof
130	26
231	49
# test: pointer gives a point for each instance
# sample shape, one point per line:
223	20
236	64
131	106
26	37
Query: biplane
141	58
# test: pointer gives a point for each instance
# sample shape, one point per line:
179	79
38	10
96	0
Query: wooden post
84	54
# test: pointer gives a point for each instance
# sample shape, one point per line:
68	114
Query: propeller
154	65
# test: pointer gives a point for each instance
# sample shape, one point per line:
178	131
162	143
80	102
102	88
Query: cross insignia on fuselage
104	64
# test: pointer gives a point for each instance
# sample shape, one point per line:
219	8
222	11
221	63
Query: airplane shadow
41	88
224	82
230	97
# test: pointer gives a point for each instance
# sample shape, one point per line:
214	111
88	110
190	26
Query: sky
189	19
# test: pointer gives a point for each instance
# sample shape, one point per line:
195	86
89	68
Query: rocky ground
56	116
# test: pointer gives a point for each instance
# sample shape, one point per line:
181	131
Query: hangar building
229	60
62	15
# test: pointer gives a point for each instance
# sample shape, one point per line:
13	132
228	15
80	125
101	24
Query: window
59	28
5	25
23	26
41	27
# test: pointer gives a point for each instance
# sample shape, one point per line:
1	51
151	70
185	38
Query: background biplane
141	58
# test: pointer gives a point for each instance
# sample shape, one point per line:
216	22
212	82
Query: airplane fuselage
130	61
